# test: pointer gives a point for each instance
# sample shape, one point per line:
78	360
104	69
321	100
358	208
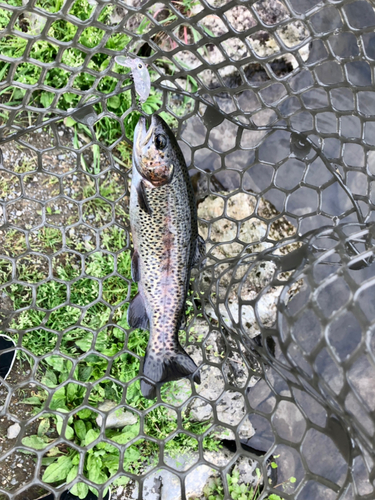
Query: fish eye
160	141
140	66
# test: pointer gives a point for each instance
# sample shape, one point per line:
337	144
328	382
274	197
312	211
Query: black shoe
6	358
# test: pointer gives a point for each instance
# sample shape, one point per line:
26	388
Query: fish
141	76
163	220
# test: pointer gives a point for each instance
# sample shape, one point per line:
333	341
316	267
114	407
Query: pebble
116	419
61	133
13	431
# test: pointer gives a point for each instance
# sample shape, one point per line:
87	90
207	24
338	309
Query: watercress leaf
94	466
111	461
91	436
48	460
80	490
31	401
80	429
114	102
35	442
58	399
59	423
69	432
71	391
69	97
46	99
84	373
72	474
43	427
69	122
85	413
58	470
54	452
49	379
84	344
56	362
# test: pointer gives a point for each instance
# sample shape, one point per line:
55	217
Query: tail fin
174	366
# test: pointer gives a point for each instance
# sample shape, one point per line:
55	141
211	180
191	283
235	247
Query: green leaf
69	432
84	344
292	479
274	497
56	362
80	429
94	466
69	97
43	427
80	490
32	401
84	373
49	379
274	465
114	102
48	460
46	99
111	461
73	473
35	442
91	436
69	122
71	391
84	414
57	471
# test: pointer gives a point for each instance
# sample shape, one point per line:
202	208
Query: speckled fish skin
164	227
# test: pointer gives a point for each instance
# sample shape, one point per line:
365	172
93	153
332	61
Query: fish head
154	151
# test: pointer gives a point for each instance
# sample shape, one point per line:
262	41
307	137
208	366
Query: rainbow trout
163	219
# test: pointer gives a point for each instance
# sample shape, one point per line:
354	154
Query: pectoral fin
142	198
135	267
137	314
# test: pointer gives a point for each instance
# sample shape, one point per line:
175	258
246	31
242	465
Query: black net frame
274	113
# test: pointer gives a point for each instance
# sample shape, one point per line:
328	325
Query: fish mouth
142	135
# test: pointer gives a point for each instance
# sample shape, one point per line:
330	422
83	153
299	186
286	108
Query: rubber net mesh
273	106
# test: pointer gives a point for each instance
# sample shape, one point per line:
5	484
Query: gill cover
153	151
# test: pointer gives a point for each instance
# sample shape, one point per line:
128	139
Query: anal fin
142	198
200	252
183	321
136	275
137	314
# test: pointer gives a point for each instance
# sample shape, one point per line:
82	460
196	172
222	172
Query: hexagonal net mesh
272	103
